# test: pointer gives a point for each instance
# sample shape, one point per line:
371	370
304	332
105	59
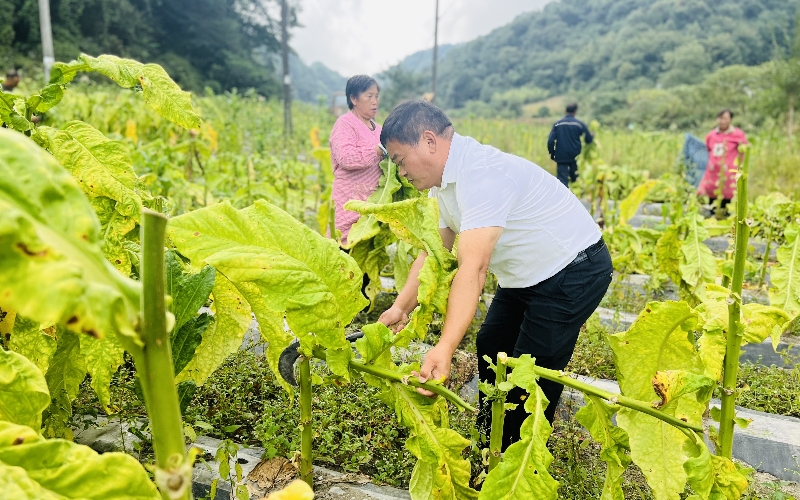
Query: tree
785	75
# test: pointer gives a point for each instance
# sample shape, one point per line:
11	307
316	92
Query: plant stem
155	365
566	379
734	343
306	435
498	413
404	379
765	262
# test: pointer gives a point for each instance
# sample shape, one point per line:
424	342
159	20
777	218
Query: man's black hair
726	110
357	85
408	121
572	108
11	73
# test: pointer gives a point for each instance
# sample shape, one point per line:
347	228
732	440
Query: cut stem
734	342
306	435
154	366
498	413
566	379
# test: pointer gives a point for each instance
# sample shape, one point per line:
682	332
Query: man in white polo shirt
518	221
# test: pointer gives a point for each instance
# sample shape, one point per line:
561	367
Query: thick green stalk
306	435
498	413
566	379
725	445
412	381
173	473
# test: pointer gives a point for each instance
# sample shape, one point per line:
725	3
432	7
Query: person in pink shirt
724	158
355	150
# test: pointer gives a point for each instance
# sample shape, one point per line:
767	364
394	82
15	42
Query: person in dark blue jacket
564	144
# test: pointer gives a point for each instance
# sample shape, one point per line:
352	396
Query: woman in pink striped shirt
355	150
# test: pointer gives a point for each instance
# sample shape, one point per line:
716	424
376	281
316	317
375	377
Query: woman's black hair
357	85
726	110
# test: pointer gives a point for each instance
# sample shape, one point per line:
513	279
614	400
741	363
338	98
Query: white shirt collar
451	165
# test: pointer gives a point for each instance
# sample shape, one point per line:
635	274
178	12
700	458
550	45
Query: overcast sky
369	36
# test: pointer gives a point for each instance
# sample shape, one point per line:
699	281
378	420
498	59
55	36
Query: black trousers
567	172
542	320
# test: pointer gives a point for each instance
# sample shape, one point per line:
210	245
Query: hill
615	45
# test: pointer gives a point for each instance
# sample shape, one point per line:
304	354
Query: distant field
775	164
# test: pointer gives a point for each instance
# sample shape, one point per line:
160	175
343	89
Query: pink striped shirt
355	166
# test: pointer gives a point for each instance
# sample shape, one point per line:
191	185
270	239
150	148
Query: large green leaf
64	376
658	341
34	468
282	268
698	266
232	316
596	418
23	390
160	91
163	95
52	269
523	472
785	277
102	167
415	222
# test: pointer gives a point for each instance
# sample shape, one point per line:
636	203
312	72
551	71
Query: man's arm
588	137
551	142
475	248
396	316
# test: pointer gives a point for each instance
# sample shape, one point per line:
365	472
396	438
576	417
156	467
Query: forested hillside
614	45
202	43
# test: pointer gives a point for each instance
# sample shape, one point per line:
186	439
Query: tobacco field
143	229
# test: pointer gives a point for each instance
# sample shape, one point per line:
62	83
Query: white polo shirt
545	225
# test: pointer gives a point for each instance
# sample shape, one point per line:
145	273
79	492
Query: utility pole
435	50
48	57
287	79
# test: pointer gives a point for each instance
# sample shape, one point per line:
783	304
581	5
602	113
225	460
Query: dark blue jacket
564	143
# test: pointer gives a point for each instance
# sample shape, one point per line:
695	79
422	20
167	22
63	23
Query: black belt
584	254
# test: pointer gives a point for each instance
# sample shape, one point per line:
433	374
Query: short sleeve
434	193
485	200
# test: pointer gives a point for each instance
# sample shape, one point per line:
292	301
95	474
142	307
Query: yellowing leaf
57	469
23	390
297	490
232	317
629	206
52	269
658	341
282	268
102	167
523	472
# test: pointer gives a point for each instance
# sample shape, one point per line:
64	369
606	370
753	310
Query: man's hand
394	318
435	366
